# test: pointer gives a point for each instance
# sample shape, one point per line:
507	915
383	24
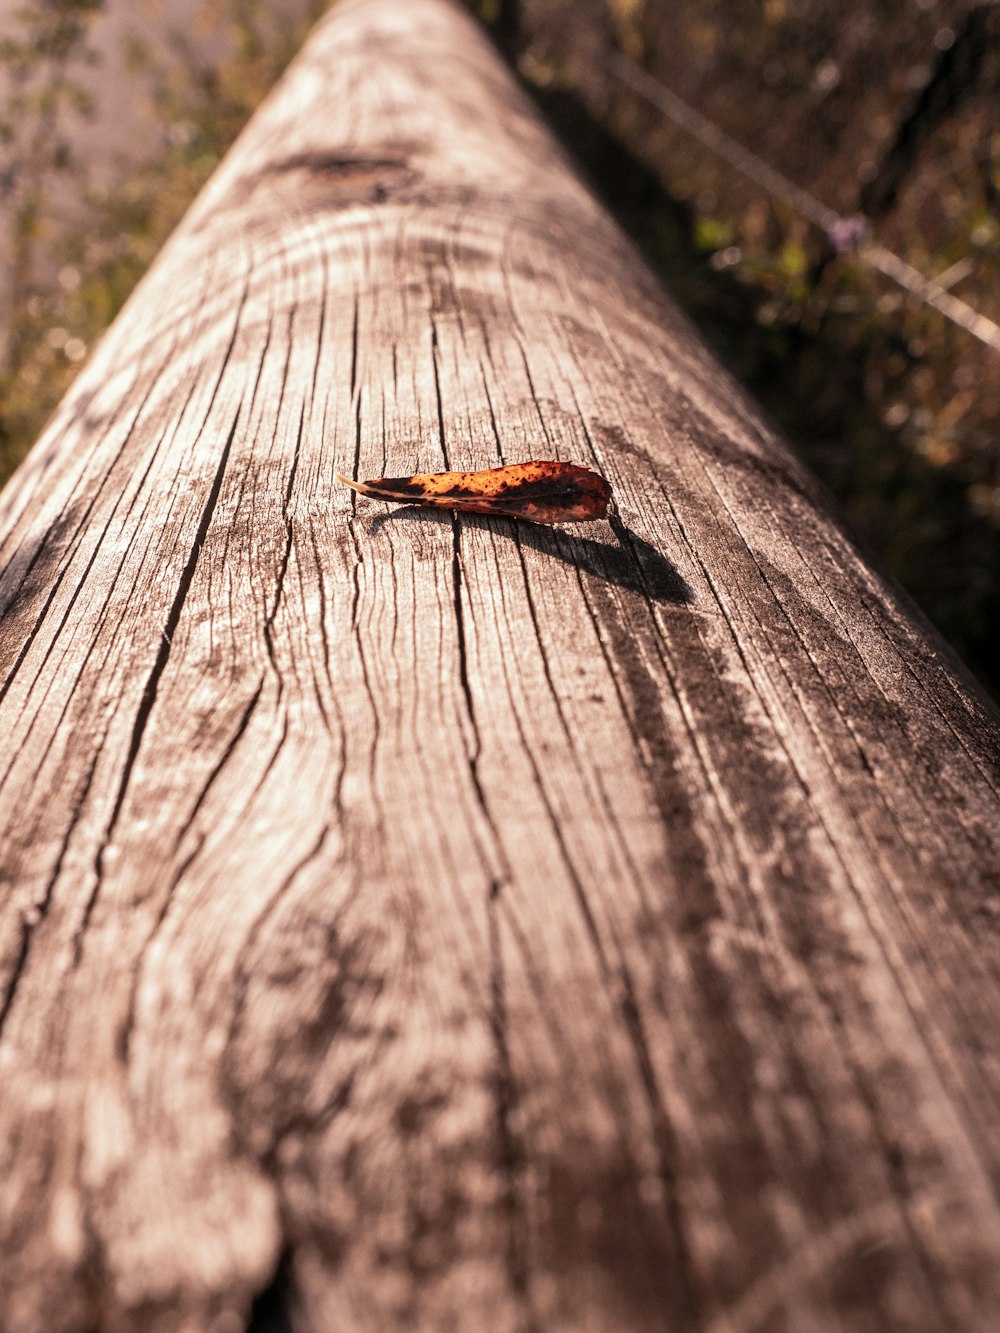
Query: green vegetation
72	252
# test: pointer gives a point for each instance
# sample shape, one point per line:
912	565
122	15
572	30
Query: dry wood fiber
432	922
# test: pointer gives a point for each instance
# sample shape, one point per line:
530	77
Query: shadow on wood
633	564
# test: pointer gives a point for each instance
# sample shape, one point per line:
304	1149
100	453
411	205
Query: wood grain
425	921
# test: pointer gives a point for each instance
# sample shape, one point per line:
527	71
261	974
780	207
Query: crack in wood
511	1151
148	698
273	1309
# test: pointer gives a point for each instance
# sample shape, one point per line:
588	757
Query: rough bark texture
436	922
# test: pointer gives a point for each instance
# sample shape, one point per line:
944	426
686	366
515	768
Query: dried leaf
541	492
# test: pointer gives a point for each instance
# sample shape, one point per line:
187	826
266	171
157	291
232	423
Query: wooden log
437	922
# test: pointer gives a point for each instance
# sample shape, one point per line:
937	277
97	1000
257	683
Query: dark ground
897	410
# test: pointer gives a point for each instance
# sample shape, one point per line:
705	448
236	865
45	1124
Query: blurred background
757	150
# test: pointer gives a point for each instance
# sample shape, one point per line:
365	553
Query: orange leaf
542	492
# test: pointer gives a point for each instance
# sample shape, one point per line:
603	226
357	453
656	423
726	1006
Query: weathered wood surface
481	926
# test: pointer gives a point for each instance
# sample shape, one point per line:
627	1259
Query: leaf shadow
632	564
